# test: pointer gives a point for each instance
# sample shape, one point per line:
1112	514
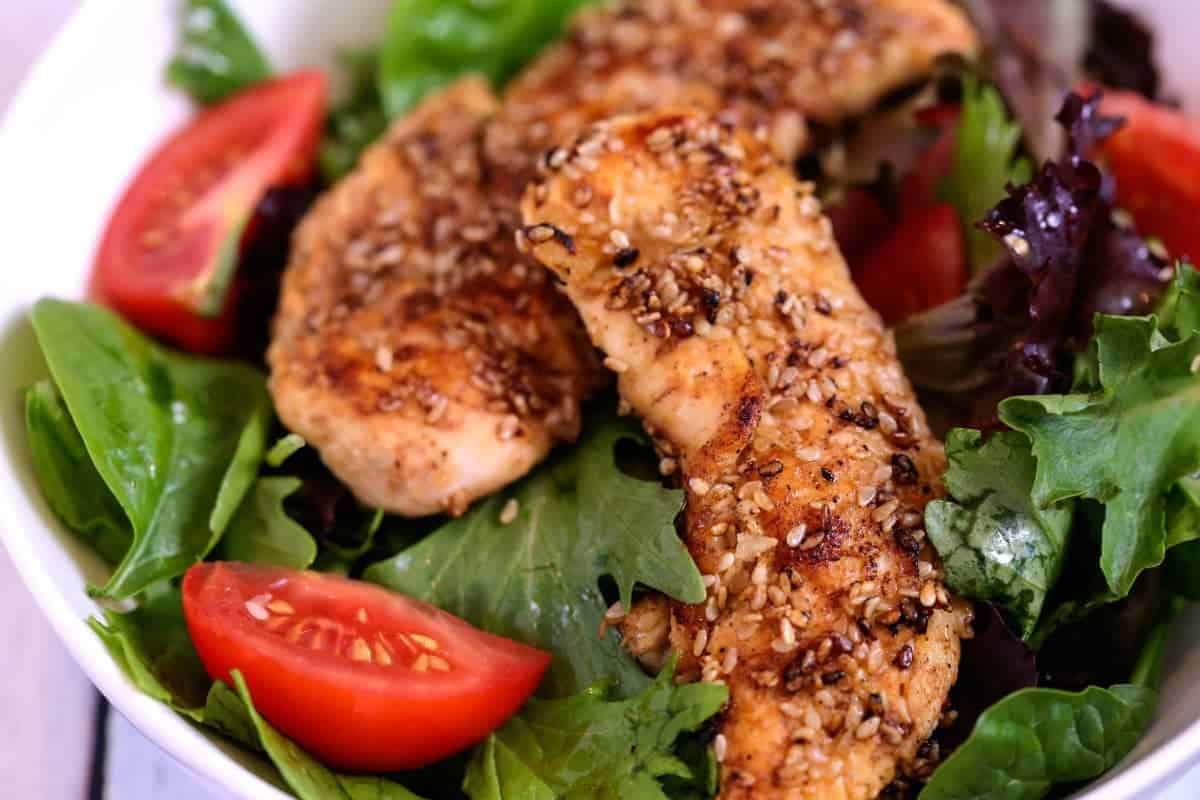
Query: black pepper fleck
626	256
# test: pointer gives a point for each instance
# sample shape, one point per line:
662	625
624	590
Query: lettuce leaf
996	544
177	440
428	43
1130	442
216	56
262	532
985	161
1125	447
535	578
589	746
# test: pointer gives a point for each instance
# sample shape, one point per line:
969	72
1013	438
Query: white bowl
90	111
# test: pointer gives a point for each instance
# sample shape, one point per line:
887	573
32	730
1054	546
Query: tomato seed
425	641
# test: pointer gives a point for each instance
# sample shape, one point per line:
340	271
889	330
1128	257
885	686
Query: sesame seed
731	660
759	576
509	512
383	358
726	562
616	365
796	535
619	238
928	595
809	454
867	729
700	643
508	427
699	486
719	747
786	631
539	233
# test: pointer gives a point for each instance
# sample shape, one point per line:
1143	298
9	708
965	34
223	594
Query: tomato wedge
166	260
1155	158
364	679
922	265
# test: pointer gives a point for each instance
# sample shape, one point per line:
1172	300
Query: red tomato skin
921	266
1155	158
165	257
355	716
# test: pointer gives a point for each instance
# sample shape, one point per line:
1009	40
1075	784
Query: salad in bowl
649	399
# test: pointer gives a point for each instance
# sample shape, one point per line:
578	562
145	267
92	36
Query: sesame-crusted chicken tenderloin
425	358
710	278
769	65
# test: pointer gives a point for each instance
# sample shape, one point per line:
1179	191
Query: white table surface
51	714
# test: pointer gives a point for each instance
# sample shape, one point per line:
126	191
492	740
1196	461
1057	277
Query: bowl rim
167	730
171	732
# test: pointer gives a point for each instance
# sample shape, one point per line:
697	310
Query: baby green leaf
996	544
535	578
587	745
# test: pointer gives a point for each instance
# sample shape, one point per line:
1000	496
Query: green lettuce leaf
995	542
985	161
262	533
67	477
216	56
1132	440
589	746
535	579
176	439
305	775
358	120
428	43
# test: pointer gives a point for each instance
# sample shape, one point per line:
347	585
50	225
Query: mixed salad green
1073	485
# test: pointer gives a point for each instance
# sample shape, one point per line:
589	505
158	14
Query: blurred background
58	738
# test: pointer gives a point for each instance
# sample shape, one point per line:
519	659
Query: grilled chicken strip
427	360
414	347
769	65
711	280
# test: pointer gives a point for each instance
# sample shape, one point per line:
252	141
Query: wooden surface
48	710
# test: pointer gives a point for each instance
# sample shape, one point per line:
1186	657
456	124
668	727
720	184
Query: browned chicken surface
426	360
423	357
710	279
772	66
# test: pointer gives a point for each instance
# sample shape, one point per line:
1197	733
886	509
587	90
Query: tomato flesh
364	679
166	260
1155	158
922	265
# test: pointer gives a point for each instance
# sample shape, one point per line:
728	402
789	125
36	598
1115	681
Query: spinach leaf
588	745
1036	738
356	122
995	542
216	56
262	533
985	161
535	578
428	43
305	775
1130	442
67	477
152	646
177	440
